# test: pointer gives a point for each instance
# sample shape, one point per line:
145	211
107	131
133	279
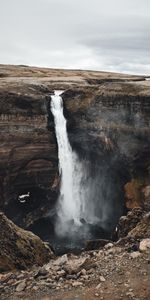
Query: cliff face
28	156
108	124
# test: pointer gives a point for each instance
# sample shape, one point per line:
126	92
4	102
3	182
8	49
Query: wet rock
77	284
21	286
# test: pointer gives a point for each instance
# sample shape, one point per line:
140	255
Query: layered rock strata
108	125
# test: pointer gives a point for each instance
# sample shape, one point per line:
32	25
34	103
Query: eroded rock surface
20	249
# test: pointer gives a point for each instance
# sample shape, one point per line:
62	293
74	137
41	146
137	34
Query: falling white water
75	200
69	203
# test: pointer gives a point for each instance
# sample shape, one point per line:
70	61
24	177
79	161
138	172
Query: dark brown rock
95	244
142	229
20	249
129	222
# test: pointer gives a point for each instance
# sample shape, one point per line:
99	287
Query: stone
41	272
21	286
35	288
61	260
74	266
108	246
110	251
102	279
77	283
130	294
144	245
98	286
83	272
96	295
61	273
135	254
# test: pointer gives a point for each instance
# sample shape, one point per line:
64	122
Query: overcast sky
111	35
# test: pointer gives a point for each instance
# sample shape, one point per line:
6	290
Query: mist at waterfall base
79	217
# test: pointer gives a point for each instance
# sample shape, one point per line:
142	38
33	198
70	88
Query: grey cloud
98	34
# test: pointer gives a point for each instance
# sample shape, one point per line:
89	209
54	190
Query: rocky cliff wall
28	157
108	125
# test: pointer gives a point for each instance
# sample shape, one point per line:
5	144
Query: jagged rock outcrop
135	225
129	222
142	229
20	249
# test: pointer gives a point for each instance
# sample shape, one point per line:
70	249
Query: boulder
73	266
127	223
144	245
20	249
142	229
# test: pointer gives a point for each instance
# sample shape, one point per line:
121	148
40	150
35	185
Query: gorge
74	184
108	128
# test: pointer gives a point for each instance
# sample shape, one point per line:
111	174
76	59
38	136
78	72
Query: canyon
108	128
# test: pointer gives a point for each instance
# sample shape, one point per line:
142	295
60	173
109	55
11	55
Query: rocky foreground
116	271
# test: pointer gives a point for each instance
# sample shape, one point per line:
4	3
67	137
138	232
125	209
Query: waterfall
70	202
80	205
83	206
